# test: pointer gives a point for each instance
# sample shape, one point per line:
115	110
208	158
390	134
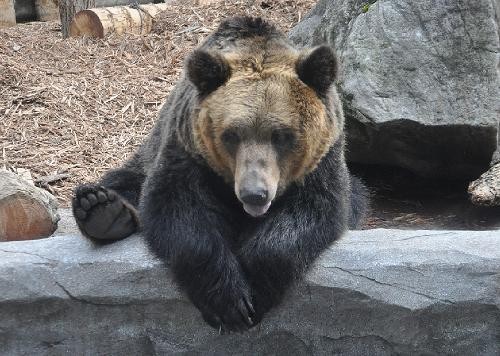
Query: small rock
486	189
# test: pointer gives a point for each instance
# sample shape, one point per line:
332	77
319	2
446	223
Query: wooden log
26	212
7	13
485	190
67	11
100	22
47	10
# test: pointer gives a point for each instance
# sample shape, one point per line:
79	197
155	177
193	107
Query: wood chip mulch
75	108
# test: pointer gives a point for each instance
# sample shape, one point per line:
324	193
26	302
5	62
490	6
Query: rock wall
420	80
376	292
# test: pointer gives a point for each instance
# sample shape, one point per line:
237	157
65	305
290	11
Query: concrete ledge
376	292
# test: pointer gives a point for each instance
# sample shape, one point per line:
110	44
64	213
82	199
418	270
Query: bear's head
266	115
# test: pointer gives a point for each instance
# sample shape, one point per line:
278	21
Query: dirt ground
80	106
402	200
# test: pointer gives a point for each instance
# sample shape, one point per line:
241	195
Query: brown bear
242	183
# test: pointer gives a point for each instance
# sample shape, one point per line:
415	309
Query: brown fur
265	92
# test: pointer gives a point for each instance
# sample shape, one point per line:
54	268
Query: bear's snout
255	198
256	177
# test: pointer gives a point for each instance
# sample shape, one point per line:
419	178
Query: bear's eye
283	139
230	138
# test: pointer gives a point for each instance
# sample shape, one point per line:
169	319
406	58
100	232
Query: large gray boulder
376	292
419	79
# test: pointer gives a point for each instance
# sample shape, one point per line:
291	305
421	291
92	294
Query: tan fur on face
264	93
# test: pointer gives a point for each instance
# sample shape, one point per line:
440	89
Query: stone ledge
376	292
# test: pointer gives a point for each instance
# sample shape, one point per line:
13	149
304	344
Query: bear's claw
234	317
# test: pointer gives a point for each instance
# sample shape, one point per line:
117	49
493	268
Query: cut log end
485	191
26	212
22	218
86	23
7	13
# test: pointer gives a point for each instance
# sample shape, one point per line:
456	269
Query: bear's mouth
256	210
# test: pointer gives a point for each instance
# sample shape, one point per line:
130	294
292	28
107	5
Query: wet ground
404	201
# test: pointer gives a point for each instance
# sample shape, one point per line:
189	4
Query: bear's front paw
102	214
228	309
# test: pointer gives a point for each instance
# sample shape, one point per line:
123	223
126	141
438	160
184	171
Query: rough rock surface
486	189
420	80
376	292
26	212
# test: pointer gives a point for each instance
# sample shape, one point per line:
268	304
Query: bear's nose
254	197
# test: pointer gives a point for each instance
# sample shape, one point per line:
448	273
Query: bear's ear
318	68
207	71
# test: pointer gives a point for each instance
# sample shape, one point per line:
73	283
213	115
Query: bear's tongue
256	210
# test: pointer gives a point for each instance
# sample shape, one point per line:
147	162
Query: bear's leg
107	210
359	203
186	224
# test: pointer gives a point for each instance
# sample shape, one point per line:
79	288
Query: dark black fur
207	71
318	69
233	267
